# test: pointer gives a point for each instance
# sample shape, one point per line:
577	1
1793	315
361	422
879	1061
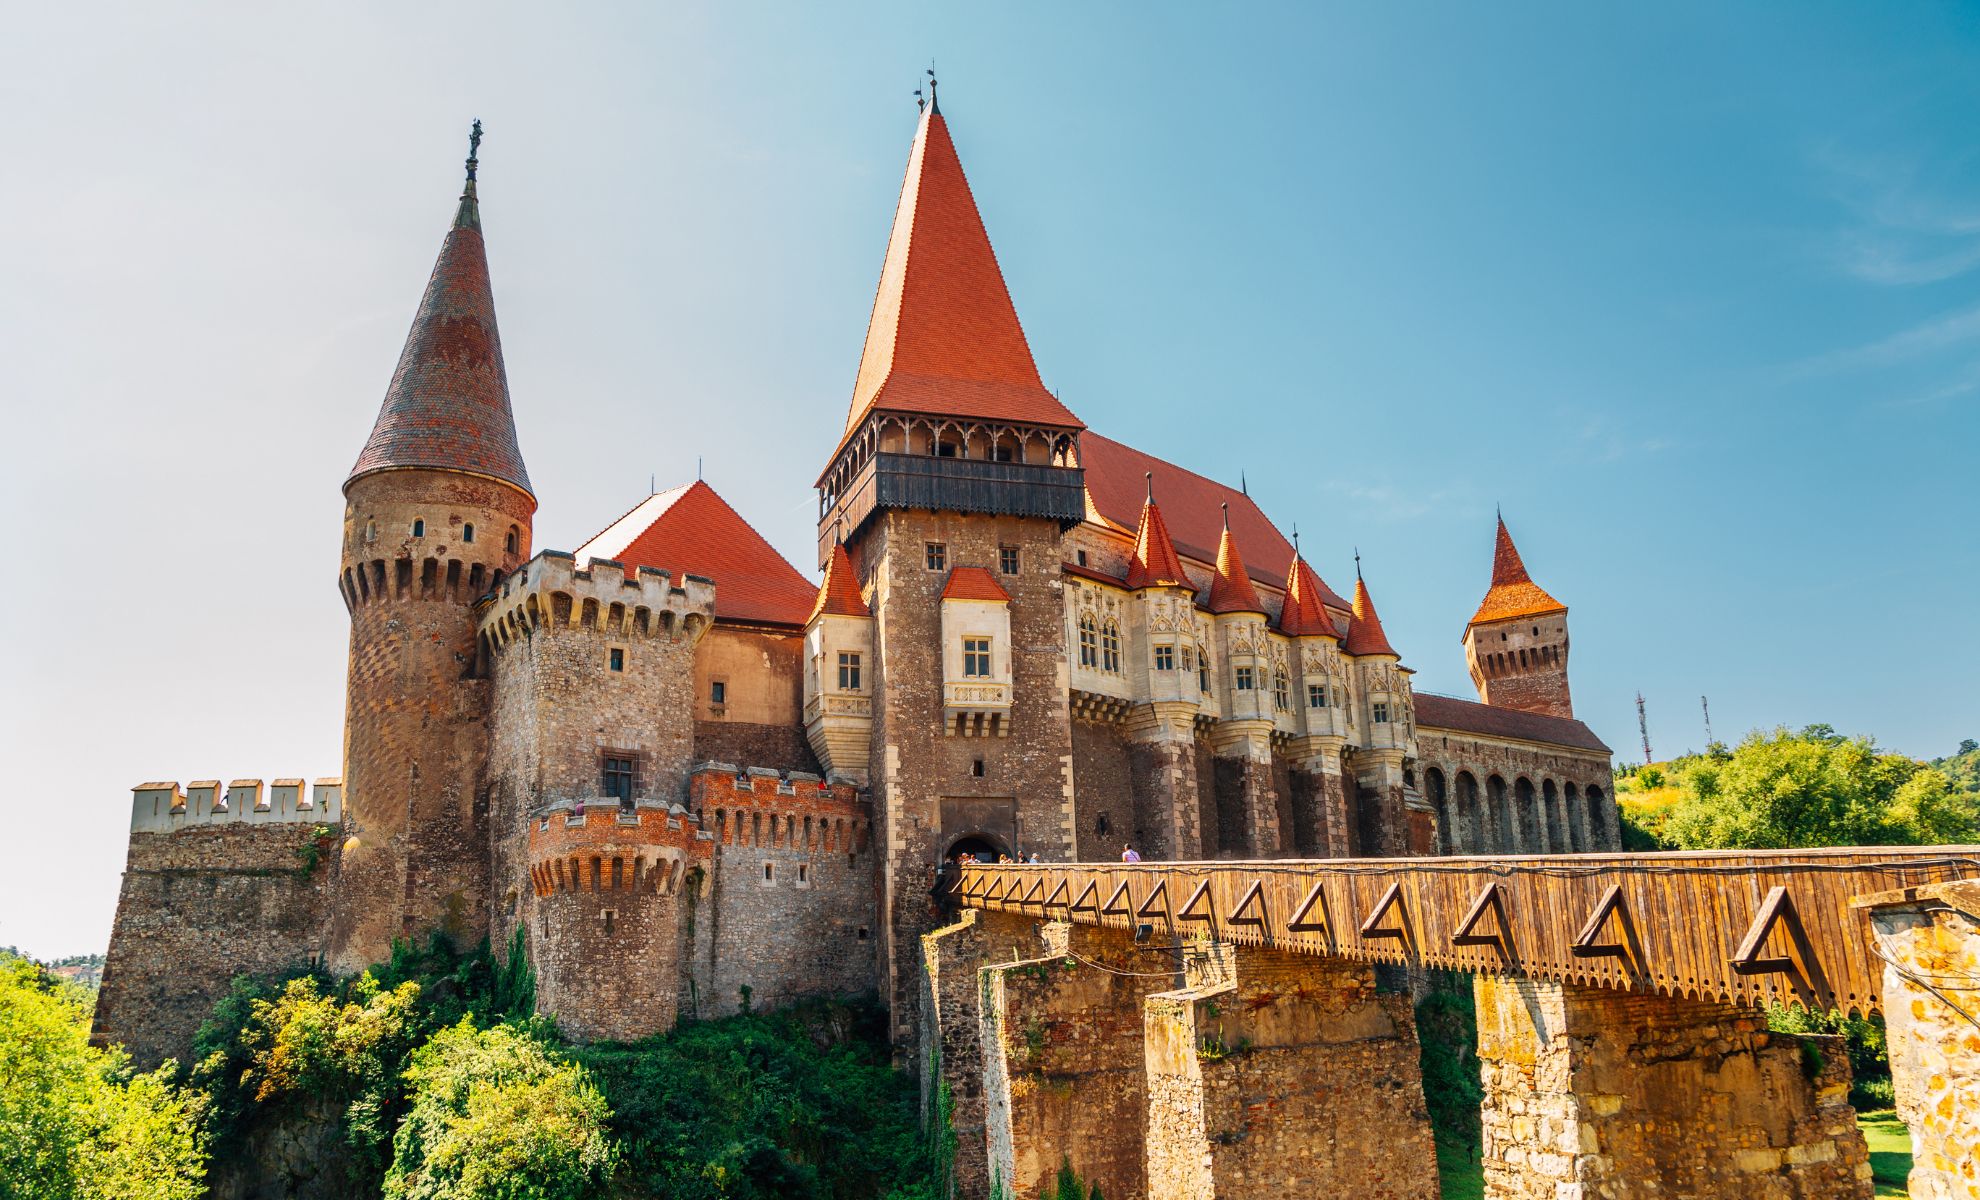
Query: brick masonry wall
949	1031
779	747
1107	776
198	907
924	789
416	716
1494	651
1294	1079
1599	1093
1586	823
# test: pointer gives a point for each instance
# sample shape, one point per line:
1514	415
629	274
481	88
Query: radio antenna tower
1643	727
1706	705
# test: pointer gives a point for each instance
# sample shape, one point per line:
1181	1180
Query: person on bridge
1128	854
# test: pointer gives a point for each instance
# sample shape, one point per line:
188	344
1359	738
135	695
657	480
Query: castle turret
838	657
1516	644
1324	697
1162	729
437	510
1386	723
1242	737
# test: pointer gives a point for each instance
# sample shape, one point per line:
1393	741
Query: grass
1463	1178
1460	1176
1890	1150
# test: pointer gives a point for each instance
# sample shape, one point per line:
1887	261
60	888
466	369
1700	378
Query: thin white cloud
1905	230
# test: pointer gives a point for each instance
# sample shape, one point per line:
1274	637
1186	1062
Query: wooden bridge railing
1746	926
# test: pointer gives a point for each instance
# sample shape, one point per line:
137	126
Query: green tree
75	1122
499	1115
1786	790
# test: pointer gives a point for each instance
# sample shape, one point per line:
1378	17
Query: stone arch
1498	809
1532	822
1560	839
1598	820
1577	817
976	841
1471	825
1438	795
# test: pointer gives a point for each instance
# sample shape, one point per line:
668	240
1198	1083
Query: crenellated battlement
553	590
755	806
576	847
164	808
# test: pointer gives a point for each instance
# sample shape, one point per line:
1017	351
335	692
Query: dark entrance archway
980	846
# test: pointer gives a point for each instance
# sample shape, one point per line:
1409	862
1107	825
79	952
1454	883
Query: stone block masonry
1592	1093
1931	936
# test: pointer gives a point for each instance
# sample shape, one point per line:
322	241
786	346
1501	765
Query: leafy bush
1863	1037
1447	1032
75	1122
499	1114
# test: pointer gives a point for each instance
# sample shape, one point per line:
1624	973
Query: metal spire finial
1149	477
1295	541
474	149
1227	516
1357	563
934	102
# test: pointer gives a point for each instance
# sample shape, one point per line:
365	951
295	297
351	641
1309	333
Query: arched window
467	532
514	539
1110	648
1433	787
371	531
1281	697
419	526
1089	643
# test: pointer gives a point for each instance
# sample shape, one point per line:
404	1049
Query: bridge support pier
1932	1014
1282	1074
951	1046
1062	1060
1600	1093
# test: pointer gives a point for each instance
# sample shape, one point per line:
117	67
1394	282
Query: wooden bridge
1755	927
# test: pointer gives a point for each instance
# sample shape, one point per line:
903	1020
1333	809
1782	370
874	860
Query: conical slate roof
1307	598
1365	634
1513	594
944	338
1155	562
839	595
448	403
1230	588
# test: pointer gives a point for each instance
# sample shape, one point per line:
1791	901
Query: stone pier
1596	1093
1931	937
1276	1074
1063	1076
951	1041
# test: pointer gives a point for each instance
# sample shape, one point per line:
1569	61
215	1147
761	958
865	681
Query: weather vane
474	148
1357	562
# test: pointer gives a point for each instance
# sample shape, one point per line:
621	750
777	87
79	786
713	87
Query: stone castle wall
199	906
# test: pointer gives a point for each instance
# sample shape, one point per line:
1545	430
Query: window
1316	695
467	532
371	531
718	692
511	542
848	672
946	450
804	873
976	657
1007	559
1165	658
769	872
419	527
1381	712
618	659
1080	555
1189	658
619	778
1089	643
976	768
1281	700
1110	648
937	556
1244	679
1203	673
611	917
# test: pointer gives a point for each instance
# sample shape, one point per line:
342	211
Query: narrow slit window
618	659
419	527
467	532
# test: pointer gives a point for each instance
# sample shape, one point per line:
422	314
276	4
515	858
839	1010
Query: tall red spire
1307	598
1155	562
1365	634
944	337
1512	594
1231	590
448	403
839	595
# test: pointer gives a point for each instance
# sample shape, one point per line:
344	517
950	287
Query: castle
693	779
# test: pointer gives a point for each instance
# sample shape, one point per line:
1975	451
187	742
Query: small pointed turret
1513	593
1155	562
1365	634
1231	590
839	595
1307	598
448	403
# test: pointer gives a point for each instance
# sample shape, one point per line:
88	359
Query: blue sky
1692	291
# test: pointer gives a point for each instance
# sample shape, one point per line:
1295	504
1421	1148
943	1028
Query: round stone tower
437	510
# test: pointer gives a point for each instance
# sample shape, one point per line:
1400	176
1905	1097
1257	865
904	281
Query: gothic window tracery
1089	642
1110	648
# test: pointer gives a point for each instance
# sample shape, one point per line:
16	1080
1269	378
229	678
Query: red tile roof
944	337
973	583
1096	575
448	403
839	595
691	530
1307	598
1365	634
1154	563
1467	716
1512	594
1116	484
1230	587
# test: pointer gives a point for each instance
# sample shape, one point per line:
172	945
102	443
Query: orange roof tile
1154	563
1230	588
839	595
944	337
974	583
1307	598
1512	594
1116	484
691	530
1469	716
1365	634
